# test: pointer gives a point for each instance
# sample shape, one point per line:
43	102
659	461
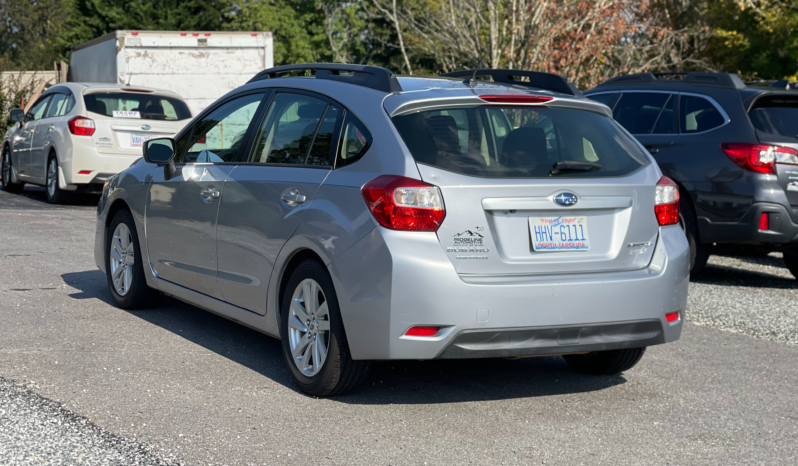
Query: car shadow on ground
724	275
397	382
37	193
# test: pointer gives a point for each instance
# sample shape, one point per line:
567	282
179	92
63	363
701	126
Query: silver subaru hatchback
360	216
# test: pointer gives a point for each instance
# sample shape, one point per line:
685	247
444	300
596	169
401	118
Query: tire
133	292
791	261
5	173
336	373
699	253
55	195
605	362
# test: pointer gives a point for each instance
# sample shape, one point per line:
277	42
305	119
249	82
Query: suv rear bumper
782	230
390	281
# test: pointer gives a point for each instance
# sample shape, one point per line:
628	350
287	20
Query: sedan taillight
81	126
666	201
401	203
759	158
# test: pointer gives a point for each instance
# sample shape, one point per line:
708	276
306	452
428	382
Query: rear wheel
605	362
791	261
699	253
313	337
55	195
5	173
124	269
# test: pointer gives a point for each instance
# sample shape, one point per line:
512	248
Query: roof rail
536	79
722	80
373	77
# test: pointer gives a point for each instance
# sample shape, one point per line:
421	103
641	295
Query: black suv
730	147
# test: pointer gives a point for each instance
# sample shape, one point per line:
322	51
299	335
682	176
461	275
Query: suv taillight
666	201
81	126
759	158
401	203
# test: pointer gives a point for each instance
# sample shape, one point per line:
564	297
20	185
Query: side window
606	99
665	121
355	141
219	135
322	144
37	111
287	131
639	111
57	105
698	114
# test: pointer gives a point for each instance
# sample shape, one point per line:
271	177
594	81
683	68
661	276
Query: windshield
516	142
776	115
133	105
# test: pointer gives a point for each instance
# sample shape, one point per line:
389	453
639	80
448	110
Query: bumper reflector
422	331
672	317
84	172
764	225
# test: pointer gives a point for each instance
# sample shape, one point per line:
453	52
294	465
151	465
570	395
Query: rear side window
698	114
355	141
606	99
59	106
776	115
515	142
136	105
645	113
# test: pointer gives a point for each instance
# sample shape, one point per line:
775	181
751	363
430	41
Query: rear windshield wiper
574	166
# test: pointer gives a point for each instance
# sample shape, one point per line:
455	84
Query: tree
28	32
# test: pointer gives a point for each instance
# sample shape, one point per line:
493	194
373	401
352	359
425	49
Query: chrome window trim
717	106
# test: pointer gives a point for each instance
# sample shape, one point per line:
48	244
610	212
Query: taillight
666	201
516	98
81	126
759	158
401	203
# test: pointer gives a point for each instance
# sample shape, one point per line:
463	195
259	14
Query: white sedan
76	135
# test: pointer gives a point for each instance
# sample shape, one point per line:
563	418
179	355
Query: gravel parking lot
82	382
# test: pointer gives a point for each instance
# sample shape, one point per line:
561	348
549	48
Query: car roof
84	87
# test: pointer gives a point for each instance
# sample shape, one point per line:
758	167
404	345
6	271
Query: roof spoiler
721	80
373	77
534	79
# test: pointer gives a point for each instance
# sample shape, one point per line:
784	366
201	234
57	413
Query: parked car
359	216
77	135
730	148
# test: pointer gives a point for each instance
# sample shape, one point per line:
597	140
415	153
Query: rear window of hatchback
129	104
519	142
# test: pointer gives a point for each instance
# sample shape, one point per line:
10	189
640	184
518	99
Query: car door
651	117
181	211
23	141
264	200
43	136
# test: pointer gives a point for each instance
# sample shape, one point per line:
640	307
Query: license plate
559	233
138	139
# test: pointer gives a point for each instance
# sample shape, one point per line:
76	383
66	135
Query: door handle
651	149
209	194
52	128
293	198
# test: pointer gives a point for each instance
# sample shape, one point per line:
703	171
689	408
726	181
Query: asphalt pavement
82	382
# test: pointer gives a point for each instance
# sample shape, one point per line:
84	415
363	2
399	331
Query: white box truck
200	66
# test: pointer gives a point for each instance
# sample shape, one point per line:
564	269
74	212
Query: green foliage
29	31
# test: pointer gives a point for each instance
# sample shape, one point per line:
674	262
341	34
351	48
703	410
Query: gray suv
361	216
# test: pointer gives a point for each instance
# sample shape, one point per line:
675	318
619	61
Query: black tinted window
321	149
639	112
666	123
514	142
136	105
288	129
697	114
355	141
776	115
606	99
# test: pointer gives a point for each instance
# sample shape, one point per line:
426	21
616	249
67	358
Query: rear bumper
782	230
85	157
391	281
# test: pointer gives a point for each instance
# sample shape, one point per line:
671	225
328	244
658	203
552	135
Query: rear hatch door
509	212
775	118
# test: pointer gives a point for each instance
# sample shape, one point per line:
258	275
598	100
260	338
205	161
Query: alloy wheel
52	177
122	255
309	327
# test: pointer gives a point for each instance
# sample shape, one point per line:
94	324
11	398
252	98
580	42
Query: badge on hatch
469	241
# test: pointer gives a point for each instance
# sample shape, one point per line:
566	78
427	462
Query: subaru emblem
145	127
566	199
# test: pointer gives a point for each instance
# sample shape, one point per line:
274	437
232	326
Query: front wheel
5	173
55	195
124	269
313	337
791	261
605	362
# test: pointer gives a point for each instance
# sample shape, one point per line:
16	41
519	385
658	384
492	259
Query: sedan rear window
776	115
516	142
132	105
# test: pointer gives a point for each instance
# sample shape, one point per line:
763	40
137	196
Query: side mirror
159	151
17	115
